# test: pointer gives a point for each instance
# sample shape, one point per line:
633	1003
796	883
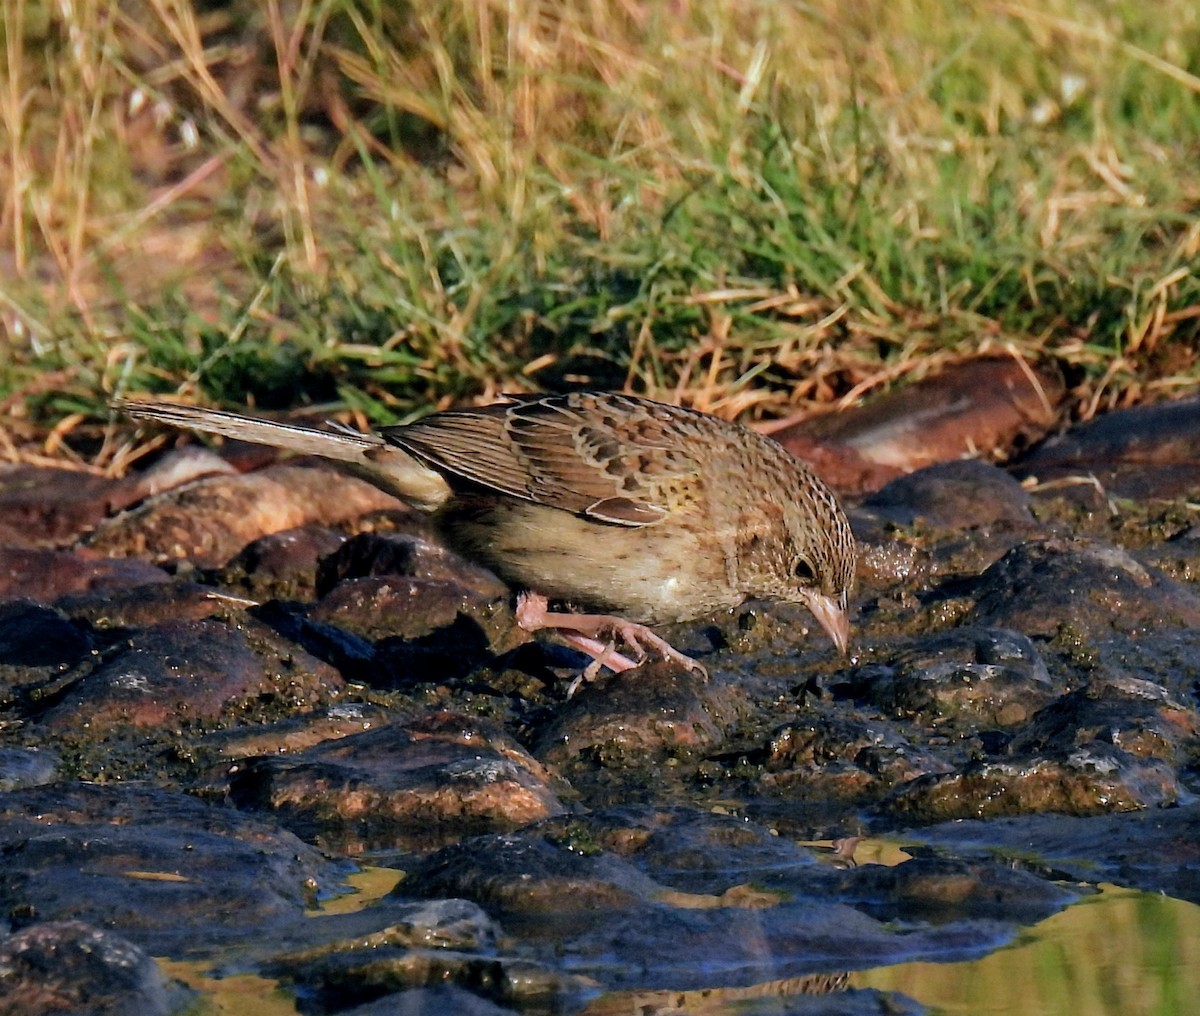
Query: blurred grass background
752	206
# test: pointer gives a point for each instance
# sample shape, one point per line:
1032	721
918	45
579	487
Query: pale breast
671	571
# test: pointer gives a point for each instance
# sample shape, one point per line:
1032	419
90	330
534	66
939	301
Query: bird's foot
586	632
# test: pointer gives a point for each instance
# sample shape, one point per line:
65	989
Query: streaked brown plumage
646	511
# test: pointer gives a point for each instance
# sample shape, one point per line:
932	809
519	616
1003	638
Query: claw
584	631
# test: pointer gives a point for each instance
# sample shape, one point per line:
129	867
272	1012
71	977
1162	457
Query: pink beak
832	616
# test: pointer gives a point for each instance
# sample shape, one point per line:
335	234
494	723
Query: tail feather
366	455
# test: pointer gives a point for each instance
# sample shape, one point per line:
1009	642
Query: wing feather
617	459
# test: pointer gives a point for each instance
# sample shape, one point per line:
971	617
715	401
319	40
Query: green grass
749	206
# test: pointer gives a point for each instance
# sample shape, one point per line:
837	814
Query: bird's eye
804	571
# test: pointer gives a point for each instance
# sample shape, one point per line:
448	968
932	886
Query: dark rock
27	767
843	759
1089	779
411	555
298	733
35	636
183	673
1138	717
400	607
141	606
480	984
529	877
1144	452
965	494
282	565
72	967
1157	851
942	889
657	707
1055	586
967	678
160	868
690	850
423	1001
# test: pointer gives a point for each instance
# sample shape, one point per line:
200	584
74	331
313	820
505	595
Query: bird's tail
367	455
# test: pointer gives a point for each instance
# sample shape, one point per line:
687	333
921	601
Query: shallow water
1119	953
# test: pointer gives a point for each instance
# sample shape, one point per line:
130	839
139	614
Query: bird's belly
669	571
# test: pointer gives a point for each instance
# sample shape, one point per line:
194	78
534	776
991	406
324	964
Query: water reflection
1120	953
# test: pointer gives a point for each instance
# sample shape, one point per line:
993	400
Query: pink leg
583	631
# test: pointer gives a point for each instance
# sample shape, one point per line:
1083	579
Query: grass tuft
750	207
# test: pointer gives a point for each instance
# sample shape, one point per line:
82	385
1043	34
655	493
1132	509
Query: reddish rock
208	522
986	406
395	784
41	506
45	575
283	565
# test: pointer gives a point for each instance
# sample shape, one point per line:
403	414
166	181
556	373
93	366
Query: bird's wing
617	459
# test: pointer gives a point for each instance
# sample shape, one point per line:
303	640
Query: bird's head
806	554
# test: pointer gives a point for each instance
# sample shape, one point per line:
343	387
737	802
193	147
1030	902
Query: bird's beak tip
832	617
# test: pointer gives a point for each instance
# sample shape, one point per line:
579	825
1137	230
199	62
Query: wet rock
430	615
481	984
809	995
657	707
955	518
160	868
32	635
72	967
27	767
528	877
974	407
411	555
690	850
416	630
178	674
942	889
964	679
446	998
140	606
422	782
1079	588
40	652
209	521
1139	717
1142	453
885	556
429	924
282	565
843	759
298	733
962	494
46	575
405	608
1166	659
1156	851
1089	779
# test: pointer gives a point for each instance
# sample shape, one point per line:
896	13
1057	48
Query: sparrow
643	512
